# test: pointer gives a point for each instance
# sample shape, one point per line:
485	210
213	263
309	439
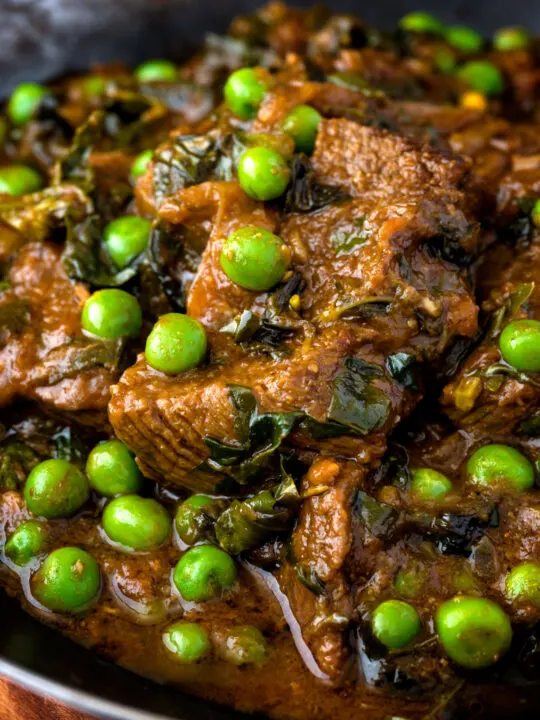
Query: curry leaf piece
69	446
246	524
356	402
309	578
508	312
260	435
74	167
305	193
346	242
85	259
378	518
404	369
192	159
36	214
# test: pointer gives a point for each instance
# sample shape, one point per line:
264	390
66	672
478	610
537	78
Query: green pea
93	86
189	520
244	92
24	101
203	572
520	345
136	523
500	464
475	632
422	22
28	541
112	314
56	488
187	642
19	180
483	76
430	485
395	623
141	162
176	343
112	470
156	71
67	581
302	124
254	258
464	39
511	38
263	174
126	237
523	584
245	645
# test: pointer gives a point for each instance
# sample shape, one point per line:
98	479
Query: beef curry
270	363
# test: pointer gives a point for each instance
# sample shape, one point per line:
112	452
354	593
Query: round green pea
422	22
188	517
136	523
496	464
156	71
430	485
302	124
245	645
395	623
67	581
187	642
56	488
176	343
464	39
112	470
475	632
482	76
24	101
141	162
203	572
263	174
254	258
19	180
511	38
112	314
520	345
126	237
244	92
28	541
523	584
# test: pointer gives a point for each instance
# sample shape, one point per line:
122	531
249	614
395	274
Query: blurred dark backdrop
43	38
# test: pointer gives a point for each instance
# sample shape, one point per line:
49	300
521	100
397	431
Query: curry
270	363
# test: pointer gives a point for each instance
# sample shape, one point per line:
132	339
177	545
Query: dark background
43	38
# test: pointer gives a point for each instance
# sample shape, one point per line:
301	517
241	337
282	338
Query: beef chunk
476	399
43	353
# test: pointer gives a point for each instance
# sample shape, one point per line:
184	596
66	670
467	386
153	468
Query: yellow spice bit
467	392
294	302
474	101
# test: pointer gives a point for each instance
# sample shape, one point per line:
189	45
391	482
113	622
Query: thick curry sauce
364	431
